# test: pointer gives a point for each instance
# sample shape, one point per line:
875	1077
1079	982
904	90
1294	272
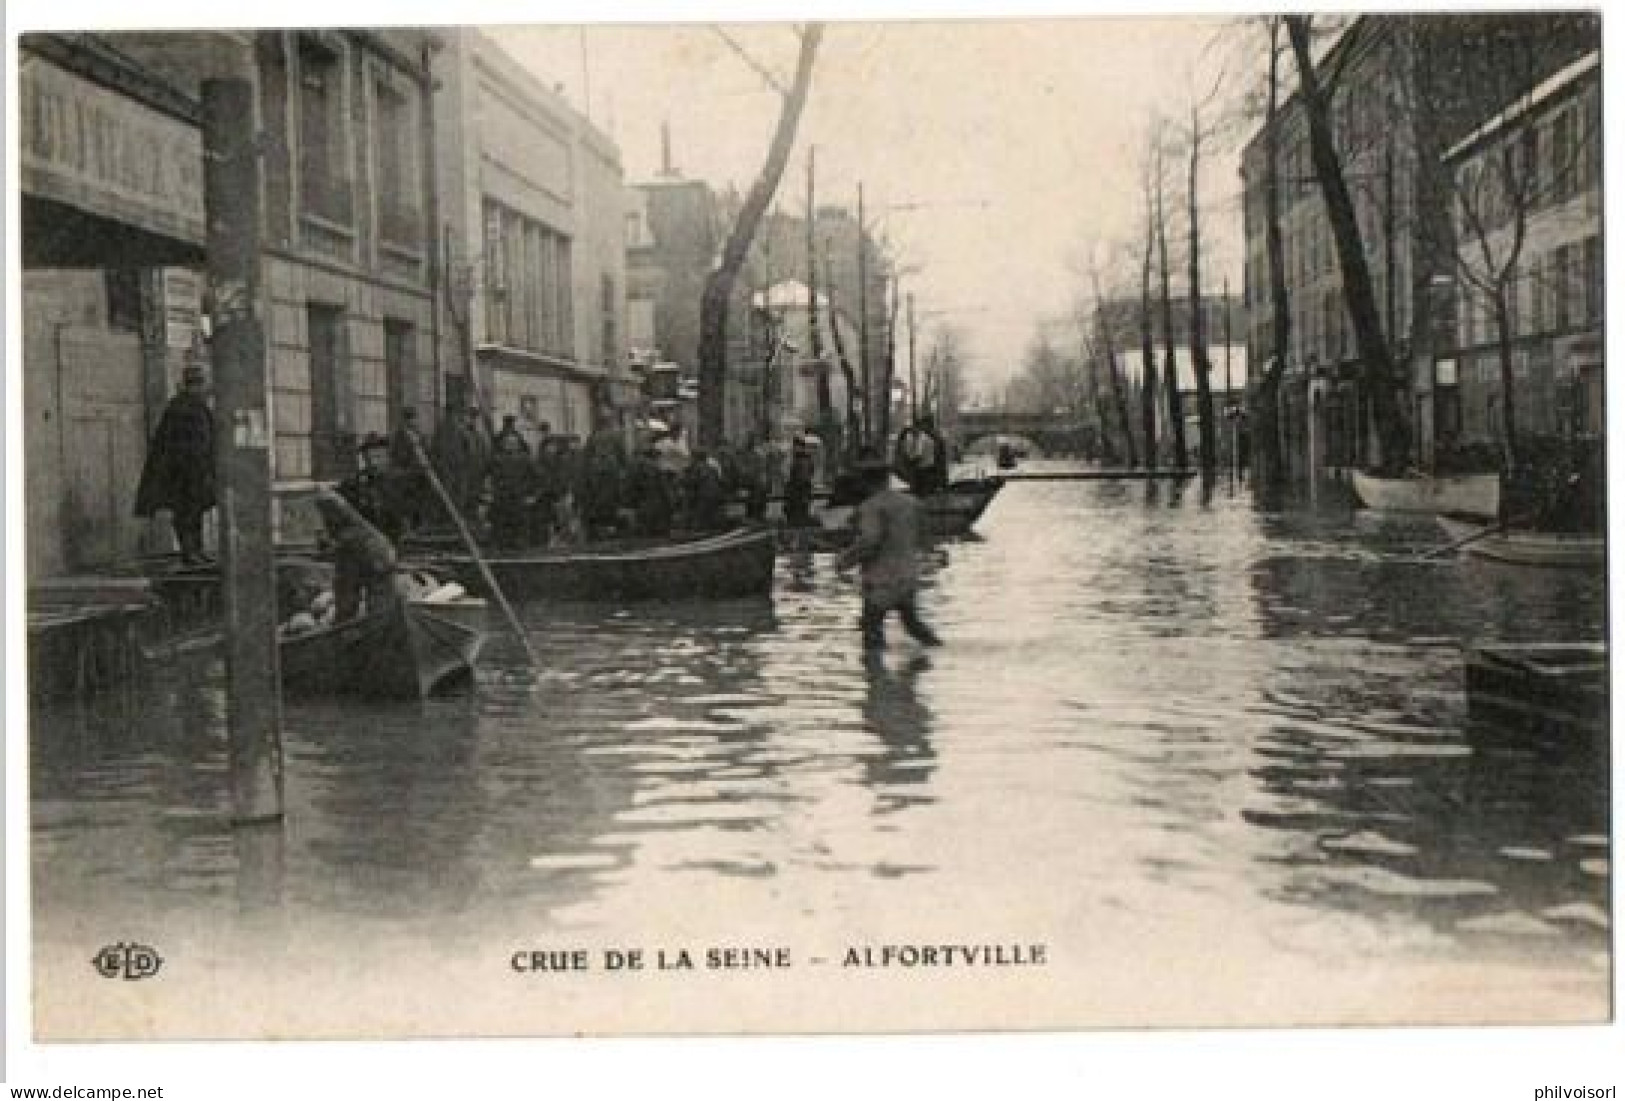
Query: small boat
1476	495
1556	687
1524	547
955	510
399	653
734	564
949	513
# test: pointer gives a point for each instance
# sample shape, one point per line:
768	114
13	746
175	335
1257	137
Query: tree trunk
1381	375
1148	356
713	345
1207	440
854	422
1503	341
1266	433
1119	398
1170	371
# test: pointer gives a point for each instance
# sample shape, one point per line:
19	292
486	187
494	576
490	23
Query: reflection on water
1153	701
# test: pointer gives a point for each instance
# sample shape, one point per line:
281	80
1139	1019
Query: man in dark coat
886	542
371	490
798	486
462	454
408	485
512	478
600	481
179	472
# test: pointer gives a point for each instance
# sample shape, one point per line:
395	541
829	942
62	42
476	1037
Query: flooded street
1214	758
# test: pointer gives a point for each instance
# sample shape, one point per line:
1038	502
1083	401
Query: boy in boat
363	559
888	526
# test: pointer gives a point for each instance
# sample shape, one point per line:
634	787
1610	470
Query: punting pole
242	451
474	552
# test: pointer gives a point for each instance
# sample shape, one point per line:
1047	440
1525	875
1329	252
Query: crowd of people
522	493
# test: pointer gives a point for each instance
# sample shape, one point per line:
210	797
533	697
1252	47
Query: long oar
474	550
1440	552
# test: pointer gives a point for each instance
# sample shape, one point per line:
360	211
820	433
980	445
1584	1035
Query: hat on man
373	442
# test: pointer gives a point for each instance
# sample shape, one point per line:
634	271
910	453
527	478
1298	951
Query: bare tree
1266	434
1105	338
1494	193
1382	376
1148	355
1170	370
1207	443
714	300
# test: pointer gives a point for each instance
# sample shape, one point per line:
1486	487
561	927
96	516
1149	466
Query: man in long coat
179	472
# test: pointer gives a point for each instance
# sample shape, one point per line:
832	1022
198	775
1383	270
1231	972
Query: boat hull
400	653
735	564
1475	495
952	512
1526	548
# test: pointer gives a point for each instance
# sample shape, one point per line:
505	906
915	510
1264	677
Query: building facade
533	214
1543	242
1403	90
113	256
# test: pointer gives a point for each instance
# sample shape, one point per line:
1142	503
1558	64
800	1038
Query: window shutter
343	388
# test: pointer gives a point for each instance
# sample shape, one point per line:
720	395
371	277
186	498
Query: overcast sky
1021	141
1018	141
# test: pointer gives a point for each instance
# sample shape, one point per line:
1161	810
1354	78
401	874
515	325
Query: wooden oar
1439	552
474	550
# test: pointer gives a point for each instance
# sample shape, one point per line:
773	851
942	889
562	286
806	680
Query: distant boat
948	513
737	563
1523	547
399	653
1557	687
1458	494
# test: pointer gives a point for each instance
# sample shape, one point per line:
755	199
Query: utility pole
863	321
913	390
1229	396
242	450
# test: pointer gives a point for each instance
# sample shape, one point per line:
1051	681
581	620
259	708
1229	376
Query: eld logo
131	961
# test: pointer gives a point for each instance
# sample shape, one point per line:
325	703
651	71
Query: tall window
527	282
332	439
324	180
1563	155
607	310
399	218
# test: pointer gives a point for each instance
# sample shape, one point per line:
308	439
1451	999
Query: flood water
1214	756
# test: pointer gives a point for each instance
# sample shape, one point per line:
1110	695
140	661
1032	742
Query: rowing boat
1476	495
1524	547
399	653
736	563
947	513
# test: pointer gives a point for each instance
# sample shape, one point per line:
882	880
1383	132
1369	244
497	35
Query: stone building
111	181
1404	89
1546	236
532	204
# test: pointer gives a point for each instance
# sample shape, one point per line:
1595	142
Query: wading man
888	527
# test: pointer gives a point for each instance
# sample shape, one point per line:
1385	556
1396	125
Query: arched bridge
1055	434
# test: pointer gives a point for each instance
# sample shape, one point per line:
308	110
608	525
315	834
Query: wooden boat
1524	547
951	512
734	564
399	653
1476	495
1555	687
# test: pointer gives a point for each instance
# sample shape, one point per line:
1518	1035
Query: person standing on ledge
888	536
179	472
